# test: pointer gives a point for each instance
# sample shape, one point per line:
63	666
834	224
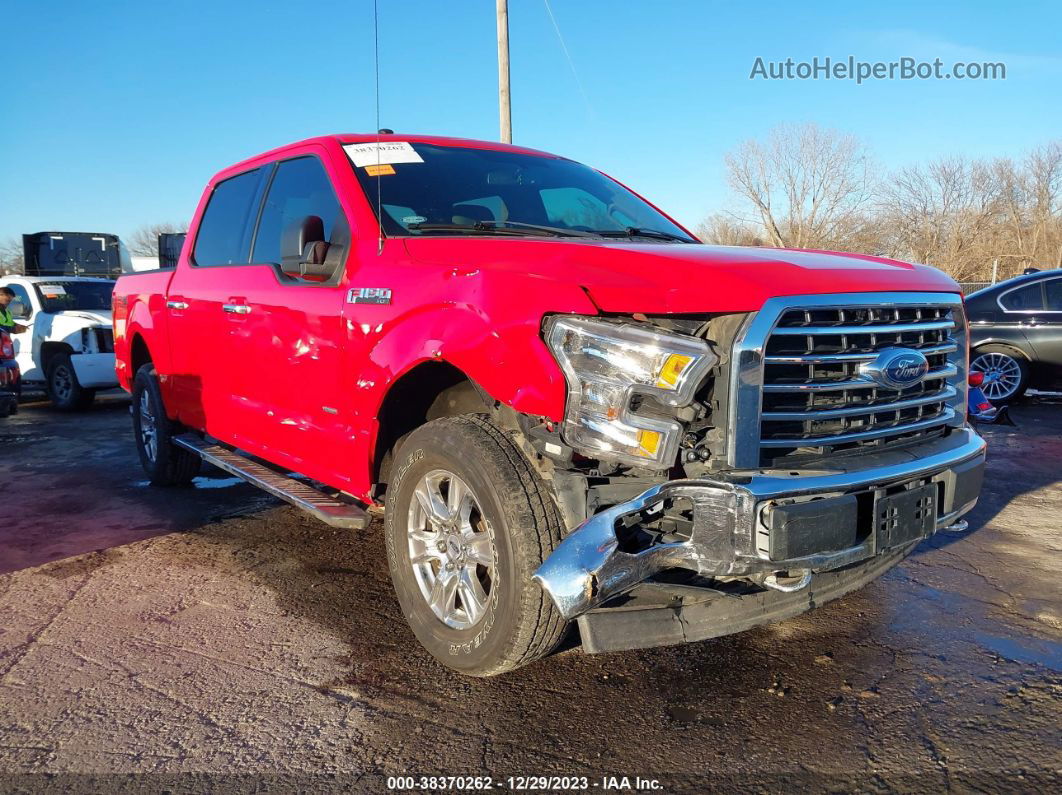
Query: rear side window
1024	298
224	236
299	188
1053	288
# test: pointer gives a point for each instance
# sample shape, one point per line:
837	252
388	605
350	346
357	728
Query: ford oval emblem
896	368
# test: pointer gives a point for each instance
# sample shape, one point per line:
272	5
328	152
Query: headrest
471	213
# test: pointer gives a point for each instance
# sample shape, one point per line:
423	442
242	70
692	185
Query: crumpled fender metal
588	568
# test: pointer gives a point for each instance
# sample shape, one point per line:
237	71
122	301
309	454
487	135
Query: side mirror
18	310
303	248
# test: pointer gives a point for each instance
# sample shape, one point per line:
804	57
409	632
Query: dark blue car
1016	334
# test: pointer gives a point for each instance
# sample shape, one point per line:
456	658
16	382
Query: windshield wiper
560	231
499	227
636	231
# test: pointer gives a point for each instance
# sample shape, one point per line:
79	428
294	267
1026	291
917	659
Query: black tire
166	464
516	513
1009	364
62	385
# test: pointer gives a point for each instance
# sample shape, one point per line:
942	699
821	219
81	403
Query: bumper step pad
327	508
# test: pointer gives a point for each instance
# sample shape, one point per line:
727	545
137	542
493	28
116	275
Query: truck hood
676	278
95	317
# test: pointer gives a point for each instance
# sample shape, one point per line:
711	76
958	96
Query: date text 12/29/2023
523	783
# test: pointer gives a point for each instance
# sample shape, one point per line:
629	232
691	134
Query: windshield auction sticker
51	290
373	153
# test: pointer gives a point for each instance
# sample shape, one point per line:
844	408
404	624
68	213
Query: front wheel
1006	374
468	522
165	463
64	390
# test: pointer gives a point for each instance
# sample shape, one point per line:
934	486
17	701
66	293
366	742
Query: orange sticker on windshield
380	170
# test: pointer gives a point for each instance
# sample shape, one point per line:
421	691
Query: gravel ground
215	631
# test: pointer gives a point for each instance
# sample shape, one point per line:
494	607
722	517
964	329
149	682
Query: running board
302	495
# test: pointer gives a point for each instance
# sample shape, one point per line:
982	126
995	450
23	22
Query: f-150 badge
369	295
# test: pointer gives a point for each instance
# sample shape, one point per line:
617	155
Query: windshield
429	190
58	295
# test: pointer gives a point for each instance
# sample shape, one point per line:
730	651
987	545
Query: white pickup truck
68	346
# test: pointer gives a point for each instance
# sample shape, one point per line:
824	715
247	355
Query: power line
568	56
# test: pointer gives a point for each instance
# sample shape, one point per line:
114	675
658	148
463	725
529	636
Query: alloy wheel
1002	374
148	428
451	549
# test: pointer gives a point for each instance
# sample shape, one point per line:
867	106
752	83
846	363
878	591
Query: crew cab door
283	334
199	382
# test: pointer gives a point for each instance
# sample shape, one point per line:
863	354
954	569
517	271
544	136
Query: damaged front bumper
775	529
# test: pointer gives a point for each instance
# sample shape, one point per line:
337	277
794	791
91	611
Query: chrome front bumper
730	524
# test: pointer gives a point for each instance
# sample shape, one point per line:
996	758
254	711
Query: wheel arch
1000	343
49	350
139	353
429	390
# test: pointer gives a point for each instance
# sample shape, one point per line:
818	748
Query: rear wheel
1006	373
165	463
64	390
468	522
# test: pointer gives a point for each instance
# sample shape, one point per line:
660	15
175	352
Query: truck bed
141	295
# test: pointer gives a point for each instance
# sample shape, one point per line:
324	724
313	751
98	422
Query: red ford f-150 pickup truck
568	408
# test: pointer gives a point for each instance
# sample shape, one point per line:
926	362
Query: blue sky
116	113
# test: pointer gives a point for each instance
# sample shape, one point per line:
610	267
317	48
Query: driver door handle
236	309
176	304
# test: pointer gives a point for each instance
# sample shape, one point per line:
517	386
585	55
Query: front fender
492	334
512	363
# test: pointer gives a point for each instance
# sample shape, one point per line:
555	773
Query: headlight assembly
606	365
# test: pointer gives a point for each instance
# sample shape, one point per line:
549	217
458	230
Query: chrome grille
803	357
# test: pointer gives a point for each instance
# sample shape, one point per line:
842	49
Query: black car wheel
1006	373
64	390
165	463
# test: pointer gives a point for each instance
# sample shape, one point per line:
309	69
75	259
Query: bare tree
959	215
144	242
1044	169
724	230
806	186
812	188
11	257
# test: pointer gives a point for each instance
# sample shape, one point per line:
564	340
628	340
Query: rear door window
1023	299
300	188
224	236
1053	291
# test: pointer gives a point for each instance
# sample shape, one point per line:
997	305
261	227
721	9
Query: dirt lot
213	630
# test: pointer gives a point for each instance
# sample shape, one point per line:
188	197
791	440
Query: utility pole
504	109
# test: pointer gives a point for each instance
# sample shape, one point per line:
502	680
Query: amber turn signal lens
648	443
672	370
